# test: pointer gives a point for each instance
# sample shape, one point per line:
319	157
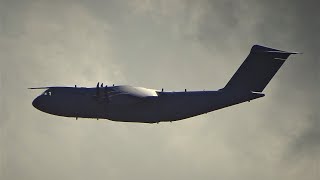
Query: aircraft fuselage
166	106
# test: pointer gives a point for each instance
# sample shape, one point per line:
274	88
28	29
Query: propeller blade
97	93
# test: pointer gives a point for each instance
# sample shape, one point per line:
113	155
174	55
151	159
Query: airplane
137	104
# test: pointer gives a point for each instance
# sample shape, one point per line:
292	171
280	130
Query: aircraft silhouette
137	104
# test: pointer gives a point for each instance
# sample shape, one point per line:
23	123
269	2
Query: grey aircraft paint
136	104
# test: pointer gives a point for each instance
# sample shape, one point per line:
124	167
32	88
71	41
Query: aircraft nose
36	103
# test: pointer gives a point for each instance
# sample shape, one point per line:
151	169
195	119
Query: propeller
104	93
98	90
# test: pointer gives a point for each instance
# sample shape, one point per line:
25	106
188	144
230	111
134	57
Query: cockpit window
47	93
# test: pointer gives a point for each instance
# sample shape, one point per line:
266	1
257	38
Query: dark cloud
288	25
308	141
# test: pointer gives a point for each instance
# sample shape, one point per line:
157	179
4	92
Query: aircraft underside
176	107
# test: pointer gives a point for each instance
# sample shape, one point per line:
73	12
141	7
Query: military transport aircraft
138	104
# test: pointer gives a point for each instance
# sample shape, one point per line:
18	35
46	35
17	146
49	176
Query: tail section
258	69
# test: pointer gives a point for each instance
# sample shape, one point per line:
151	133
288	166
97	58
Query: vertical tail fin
258	69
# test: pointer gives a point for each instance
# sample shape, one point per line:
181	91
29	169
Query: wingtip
296	53
39	88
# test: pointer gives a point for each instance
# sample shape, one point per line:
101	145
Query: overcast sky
170	44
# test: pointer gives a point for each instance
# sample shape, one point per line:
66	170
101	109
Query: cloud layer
158	44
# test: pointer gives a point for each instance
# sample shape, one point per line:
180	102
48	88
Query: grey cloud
170	44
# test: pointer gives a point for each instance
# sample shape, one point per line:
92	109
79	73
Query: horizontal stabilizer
263	49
